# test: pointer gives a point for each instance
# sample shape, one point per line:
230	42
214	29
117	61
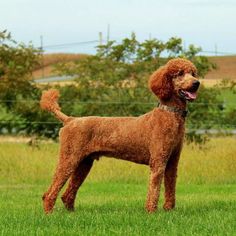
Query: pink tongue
191	95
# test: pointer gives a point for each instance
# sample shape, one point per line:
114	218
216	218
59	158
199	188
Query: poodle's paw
169	206
48	207
150	208
68	203
48	204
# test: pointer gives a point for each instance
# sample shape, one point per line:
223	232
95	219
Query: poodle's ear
161	84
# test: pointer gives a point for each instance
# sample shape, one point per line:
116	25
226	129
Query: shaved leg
157	172
63	171
76	180
170	182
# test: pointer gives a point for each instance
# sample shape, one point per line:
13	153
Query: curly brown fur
153	139
161	80
48	102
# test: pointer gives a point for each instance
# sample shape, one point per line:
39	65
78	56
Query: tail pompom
49	100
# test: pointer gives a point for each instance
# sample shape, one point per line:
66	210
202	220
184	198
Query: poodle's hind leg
76	180
64	169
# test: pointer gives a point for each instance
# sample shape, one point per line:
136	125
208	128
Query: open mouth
190	96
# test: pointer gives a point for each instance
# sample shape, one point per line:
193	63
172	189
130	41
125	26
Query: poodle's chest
170	131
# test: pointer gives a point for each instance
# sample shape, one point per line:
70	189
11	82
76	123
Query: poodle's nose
195	84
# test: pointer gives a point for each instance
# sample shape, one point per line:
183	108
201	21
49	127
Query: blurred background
99	55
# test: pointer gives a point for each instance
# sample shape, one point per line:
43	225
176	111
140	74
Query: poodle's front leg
170	181
157	168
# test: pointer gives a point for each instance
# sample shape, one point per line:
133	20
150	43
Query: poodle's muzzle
191	93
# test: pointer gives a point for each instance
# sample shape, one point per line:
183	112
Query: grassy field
111	202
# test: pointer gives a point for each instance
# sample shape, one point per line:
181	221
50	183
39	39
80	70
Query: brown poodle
153	139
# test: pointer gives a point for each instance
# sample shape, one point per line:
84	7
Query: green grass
113	208
111	202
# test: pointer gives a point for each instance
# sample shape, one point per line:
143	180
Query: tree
17	62
119	72
17	91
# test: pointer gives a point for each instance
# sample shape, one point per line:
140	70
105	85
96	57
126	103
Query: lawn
111	202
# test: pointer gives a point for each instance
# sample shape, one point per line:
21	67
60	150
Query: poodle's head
177	78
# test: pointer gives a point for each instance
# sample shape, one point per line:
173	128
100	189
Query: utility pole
184	43
108	33
41	47
150	36
216	50
100	38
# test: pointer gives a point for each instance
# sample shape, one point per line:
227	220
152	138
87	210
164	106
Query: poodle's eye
194	74
181	73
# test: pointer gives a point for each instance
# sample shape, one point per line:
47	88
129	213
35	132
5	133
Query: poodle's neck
175	102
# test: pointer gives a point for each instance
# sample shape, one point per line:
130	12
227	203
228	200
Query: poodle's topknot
174	66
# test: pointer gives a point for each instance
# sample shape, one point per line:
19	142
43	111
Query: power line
66	45
69	44
110	102
221	53
28	122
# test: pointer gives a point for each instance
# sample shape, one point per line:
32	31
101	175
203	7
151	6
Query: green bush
10	123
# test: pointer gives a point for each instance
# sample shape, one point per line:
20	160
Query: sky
210	24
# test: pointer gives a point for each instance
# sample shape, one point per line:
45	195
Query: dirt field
46	67
226	68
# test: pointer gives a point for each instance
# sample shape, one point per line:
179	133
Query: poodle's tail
49	102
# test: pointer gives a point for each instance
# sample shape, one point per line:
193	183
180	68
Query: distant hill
45	69
226	66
